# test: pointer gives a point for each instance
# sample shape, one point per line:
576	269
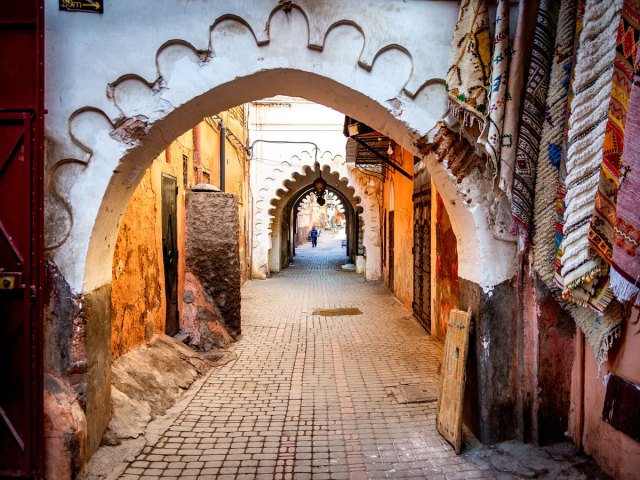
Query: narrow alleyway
311	396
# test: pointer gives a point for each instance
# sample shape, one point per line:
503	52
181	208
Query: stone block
213	252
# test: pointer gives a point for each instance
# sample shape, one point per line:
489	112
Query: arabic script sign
93	6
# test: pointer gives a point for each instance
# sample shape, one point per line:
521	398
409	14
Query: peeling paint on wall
447	290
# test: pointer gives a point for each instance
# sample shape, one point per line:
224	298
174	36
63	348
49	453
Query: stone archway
146	88
278	182
100	144
291	192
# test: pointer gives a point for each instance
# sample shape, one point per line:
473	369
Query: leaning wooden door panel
454	374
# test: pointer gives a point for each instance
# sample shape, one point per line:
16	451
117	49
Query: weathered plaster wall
138	301
138	291
65	430
491	396
616	452
445	285
209	140
402	206
548	342
65	361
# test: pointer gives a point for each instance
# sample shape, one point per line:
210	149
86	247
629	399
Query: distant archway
286	199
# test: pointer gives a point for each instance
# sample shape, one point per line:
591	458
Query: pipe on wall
197	153
223	160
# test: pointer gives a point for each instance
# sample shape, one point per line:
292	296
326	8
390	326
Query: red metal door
21	181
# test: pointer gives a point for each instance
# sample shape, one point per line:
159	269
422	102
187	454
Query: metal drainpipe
223	160
197	153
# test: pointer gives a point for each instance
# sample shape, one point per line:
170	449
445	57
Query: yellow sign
93	6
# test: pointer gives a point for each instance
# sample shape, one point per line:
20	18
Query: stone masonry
213	266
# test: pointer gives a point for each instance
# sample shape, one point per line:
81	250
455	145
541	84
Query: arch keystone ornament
151	70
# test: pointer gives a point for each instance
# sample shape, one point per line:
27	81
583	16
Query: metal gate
422	258
170	251
21	239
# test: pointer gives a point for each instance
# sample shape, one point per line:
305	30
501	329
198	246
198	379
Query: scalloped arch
253	50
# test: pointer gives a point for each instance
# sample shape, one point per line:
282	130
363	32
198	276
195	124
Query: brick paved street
309	396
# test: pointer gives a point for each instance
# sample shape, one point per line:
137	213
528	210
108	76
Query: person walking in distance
314	237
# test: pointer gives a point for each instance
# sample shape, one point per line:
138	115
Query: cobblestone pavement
309	396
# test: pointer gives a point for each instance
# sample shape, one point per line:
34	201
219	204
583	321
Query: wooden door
170	251
422	258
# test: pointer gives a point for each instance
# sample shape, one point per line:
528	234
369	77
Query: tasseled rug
625	267
454	151
469	67
584	274
491	138
551	147
532	120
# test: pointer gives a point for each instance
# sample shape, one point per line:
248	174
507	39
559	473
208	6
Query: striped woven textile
469	67
491	138
604	218
527	11
561	191
532	120
600	329
588	120
551	147
625	267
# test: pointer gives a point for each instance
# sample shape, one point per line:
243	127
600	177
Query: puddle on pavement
336	312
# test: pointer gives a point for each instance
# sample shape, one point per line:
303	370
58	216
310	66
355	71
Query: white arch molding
112	108
279	181
292	188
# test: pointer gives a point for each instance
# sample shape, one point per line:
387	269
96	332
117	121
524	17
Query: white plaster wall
297	120
122	85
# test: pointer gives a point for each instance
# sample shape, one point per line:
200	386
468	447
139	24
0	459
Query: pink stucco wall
618	454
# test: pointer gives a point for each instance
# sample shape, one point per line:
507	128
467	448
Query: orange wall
137	291
446	292
402	204
617	453
138	294
137	298
237	179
